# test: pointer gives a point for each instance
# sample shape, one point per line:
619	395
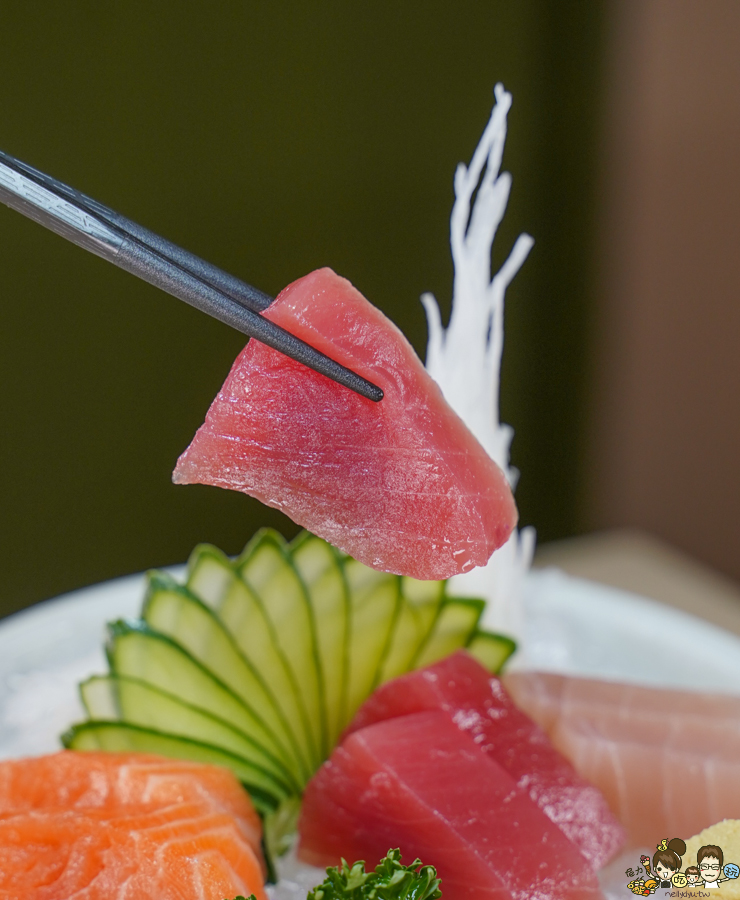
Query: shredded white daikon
465	358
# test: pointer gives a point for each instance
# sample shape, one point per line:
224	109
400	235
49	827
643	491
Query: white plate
45	651
572	626
579	627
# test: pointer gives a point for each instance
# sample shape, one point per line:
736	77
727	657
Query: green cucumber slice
214	578
136	651
117	698
420	601
210	574
319	566
375	598
176	612
456	622
120	737
266	567
491	649
260	663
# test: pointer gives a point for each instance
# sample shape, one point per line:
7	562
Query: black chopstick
158	261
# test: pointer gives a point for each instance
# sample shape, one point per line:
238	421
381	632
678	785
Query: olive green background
270	138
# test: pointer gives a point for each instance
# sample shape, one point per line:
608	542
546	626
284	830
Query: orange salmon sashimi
57	854
125	826
117	782
666	760
402	485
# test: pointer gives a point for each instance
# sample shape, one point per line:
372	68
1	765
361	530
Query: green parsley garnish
391	880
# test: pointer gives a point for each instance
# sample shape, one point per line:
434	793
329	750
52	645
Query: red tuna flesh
421	784
401	485
477	703
666	760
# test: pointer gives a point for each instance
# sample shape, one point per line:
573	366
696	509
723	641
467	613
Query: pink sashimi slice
420	784
401	485
478	704
666	760
547	696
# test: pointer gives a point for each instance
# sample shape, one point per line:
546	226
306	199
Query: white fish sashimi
665	760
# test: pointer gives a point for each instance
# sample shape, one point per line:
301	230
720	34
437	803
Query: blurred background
276	138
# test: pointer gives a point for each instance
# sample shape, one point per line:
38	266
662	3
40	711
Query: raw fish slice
419	783
116	782
546	696
477	703
666	760
401	485
178	852
657	782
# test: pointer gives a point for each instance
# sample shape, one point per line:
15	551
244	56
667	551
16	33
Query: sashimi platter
392	704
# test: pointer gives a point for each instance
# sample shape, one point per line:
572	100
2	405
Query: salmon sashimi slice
125	826
666	760
117	781
478	704
419	783
401	485
58	854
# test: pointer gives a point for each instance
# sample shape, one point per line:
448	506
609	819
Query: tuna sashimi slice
129	826
667	760
478	703
420	784
401	485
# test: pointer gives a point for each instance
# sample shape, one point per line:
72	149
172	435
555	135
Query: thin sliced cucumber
259	663
319	566
420	601
136	651
175	611
266	567
242	612
120	737
375	598
491	650
453	628
119	699
210	574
